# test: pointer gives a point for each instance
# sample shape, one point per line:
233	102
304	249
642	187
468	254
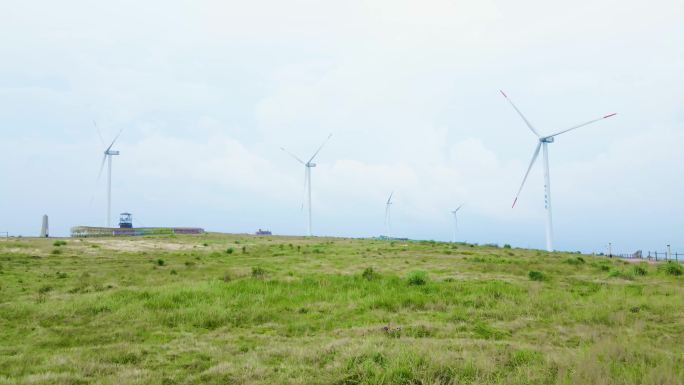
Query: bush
229	250
56	252
59	243
575	261
417	278
639	270
536	275
507	246
160	262
226	277
369	274
671	268
258	272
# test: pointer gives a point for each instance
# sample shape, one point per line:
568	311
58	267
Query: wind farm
341	193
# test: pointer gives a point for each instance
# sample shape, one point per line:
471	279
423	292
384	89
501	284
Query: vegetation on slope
278	310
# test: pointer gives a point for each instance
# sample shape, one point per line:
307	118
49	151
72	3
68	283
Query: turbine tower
544	140
307	178
455	223
388	225
107	157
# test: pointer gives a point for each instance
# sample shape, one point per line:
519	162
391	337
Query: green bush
160	262
258	272
59	243
507	246
575	261
640	270
671	268
417	278
536	275
229	250
369	274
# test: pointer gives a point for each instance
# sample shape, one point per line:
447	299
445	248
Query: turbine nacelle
310	164
548	139
111	152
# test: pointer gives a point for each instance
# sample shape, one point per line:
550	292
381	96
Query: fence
5	233
652	256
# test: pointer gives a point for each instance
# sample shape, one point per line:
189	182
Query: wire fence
652	256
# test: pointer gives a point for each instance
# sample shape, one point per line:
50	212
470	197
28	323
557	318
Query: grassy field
238	309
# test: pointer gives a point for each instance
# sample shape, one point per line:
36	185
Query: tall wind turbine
455	222
108	153
544	140
388	225
307	177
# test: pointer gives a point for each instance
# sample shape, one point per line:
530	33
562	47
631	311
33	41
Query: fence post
656	255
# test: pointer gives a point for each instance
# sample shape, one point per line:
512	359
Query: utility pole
610	250
669	253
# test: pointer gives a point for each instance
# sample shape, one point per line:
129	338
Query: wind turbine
455	222
108	153
543	145
307	177
388	225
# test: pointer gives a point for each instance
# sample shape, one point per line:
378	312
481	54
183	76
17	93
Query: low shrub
671	268
506	246
639	270
575	261
160	262
417	278
536	276
258	272
229	250
369	274
59	243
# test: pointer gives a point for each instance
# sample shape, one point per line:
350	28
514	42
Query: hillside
239	309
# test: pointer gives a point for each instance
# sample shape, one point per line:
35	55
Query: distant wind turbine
455	222
543	144
388	224
108	153
307	177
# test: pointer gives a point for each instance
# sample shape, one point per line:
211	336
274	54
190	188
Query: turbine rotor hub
546	140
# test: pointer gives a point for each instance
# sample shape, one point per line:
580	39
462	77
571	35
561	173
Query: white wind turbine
108	153
388	225
543	144
307	177
455	222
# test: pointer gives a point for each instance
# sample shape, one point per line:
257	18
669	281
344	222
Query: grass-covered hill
238	309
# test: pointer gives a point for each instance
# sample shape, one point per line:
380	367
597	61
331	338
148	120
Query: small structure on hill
263	232
126	221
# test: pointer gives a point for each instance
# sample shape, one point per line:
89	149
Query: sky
207	92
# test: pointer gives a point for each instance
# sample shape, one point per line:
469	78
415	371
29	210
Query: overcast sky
208	91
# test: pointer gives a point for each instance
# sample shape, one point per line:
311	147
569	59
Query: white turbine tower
543	144
307	177
108	153
455	222
388	224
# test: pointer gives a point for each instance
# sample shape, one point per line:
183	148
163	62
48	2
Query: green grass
181	310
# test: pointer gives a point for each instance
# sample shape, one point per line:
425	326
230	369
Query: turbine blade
293	155
320	148
582	125
99	133
527	122
115	139
458	208
389	200
99	174
534	158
